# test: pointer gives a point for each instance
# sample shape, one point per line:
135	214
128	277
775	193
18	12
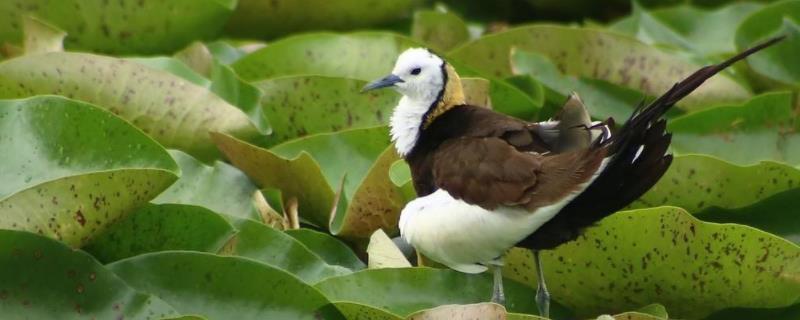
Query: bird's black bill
387	81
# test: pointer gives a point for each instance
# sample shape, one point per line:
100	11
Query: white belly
464	236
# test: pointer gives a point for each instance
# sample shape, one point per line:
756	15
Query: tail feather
638	160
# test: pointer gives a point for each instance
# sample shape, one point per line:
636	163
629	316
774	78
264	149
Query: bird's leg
498	296
542	296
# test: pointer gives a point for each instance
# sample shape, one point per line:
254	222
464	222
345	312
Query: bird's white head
418	74
429	87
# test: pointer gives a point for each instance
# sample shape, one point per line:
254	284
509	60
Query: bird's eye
416	71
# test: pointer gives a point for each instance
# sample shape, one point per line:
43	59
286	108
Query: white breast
461	235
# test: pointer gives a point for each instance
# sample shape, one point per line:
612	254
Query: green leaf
777	63
44	279
349	153
789	313
176	113
763	128
697	182
162	227
225	52
602	99
198	57
359	55
220	287
415	289
310	169
705	32
440	31
41	37
364	56
190	317
634	315
599	55
275	18
330	249
521	102
522	316
221	188
226	83
656	310
70	169
300	177
122	26
375	204
484	310
298	106
357	311
359	160
220	80
275	248
665	255
383	253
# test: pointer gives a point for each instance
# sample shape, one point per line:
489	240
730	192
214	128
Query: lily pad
221	188
295	106
121	27
400	174
415	289
776	63
506	97
364	56
705	32
219	79
275	248
41	37
597	54
764	128
347	158
173	111
354	161
383	253
602	99
697	182
462	312
214	286
225	82
633	315
440	31
359	55
300	177
331	249
522	316
271	19
374	204
665	255
43	279
72	169
357	311
162	227
789	313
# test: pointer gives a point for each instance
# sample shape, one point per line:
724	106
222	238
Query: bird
487	182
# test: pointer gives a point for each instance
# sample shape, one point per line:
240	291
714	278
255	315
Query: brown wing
489	172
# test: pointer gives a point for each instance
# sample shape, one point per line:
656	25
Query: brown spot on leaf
80	218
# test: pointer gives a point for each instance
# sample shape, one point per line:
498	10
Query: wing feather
490	172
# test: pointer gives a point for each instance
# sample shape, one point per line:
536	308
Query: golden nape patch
453	95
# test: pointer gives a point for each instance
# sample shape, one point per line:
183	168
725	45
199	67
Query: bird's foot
499	298
543	301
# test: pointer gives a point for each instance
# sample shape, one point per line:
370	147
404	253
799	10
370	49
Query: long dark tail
638	160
